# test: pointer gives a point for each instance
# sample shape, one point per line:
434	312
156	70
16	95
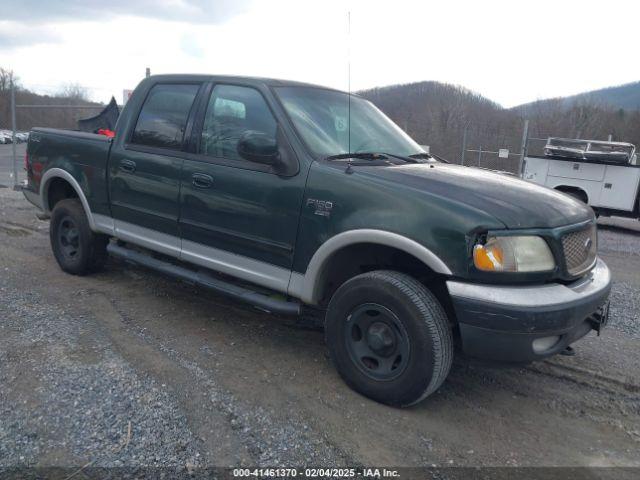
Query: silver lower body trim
145	237
254	271
244	268
297	288
593	283
103	224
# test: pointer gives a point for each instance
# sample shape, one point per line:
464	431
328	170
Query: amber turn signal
513	254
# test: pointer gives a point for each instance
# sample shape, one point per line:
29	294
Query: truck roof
271	82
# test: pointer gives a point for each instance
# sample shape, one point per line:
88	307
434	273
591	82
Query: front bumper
502	322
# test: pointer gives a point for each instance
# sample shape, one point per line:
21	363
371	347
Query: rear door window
163	118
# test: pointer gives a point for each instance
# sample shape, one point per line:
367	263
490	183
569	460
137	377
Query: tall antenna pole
349	78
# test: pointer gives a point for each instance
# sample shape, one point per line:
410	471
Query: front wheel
389	337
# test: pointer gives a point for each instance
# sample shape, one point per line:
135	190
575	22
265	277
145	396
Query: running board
203	279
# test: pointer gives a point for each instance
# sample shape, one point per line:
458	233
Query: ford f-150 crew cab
290	196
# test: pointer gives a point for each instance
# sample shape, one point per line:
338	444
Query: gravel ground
99	401
625	295
129	368
625	305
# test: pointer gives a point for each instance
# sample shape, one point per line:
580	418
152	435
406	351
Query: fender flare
60	173
306	286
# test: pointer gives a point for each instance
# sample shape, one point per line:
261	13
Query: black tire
76	248
393	308
577	194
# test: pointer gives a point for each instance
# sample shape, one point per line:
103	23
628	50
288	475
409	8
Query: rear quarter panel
83	155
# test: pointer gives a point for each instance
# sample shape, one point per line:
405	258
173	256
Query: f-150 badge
321	207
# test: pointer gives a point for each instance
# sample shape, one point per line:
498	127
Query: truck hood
514	202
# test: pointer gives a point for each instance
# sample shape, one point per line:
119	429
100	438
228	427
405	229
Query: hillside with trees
438	114
626	97
26	118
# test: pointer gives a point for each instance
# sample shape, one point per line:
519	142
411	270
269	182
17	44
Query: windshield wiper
372	156
408	159
422	155
378	156
358	155
429	156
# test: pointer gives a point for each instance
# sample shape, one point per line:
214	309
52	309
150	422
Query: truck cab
302	199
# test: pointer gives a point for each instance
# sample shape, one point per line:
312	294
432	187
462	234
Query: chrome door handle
201	180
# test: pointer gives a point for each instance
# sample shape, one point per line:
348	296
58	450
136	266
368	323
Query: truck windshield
321	117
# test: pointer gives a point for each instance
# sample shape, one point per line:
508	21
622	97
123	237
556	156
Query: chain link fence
10	176
13	149
505	156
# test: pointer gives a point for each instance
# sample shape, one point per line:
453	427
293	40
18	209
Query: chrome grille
580	250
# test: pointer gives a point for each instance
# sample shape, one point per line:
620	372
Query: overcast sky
509	51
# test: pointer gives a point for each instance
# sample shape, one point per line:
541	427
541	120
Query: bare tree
74	91
6	77
27	118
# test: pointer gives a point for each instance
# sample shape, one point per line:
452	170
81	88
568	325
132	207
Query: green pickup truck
296	198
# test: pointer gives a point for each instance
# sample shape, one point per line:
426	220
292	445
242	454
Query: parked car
300	199
6	136
21	137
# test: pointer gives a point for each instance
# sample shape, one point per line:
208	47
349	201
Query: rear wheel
389	337
77	249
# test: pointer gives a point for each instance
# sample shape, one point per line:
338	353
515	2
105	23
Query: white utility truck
605	175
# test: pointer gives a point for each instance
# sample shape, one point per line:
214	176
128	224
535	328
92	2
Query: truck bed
83	155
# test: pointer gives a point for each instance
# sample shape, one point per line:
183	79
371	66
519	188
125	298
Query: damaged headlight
513	254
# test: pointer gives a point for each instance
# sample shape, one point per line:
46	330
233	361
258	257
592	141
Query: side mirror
258	147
